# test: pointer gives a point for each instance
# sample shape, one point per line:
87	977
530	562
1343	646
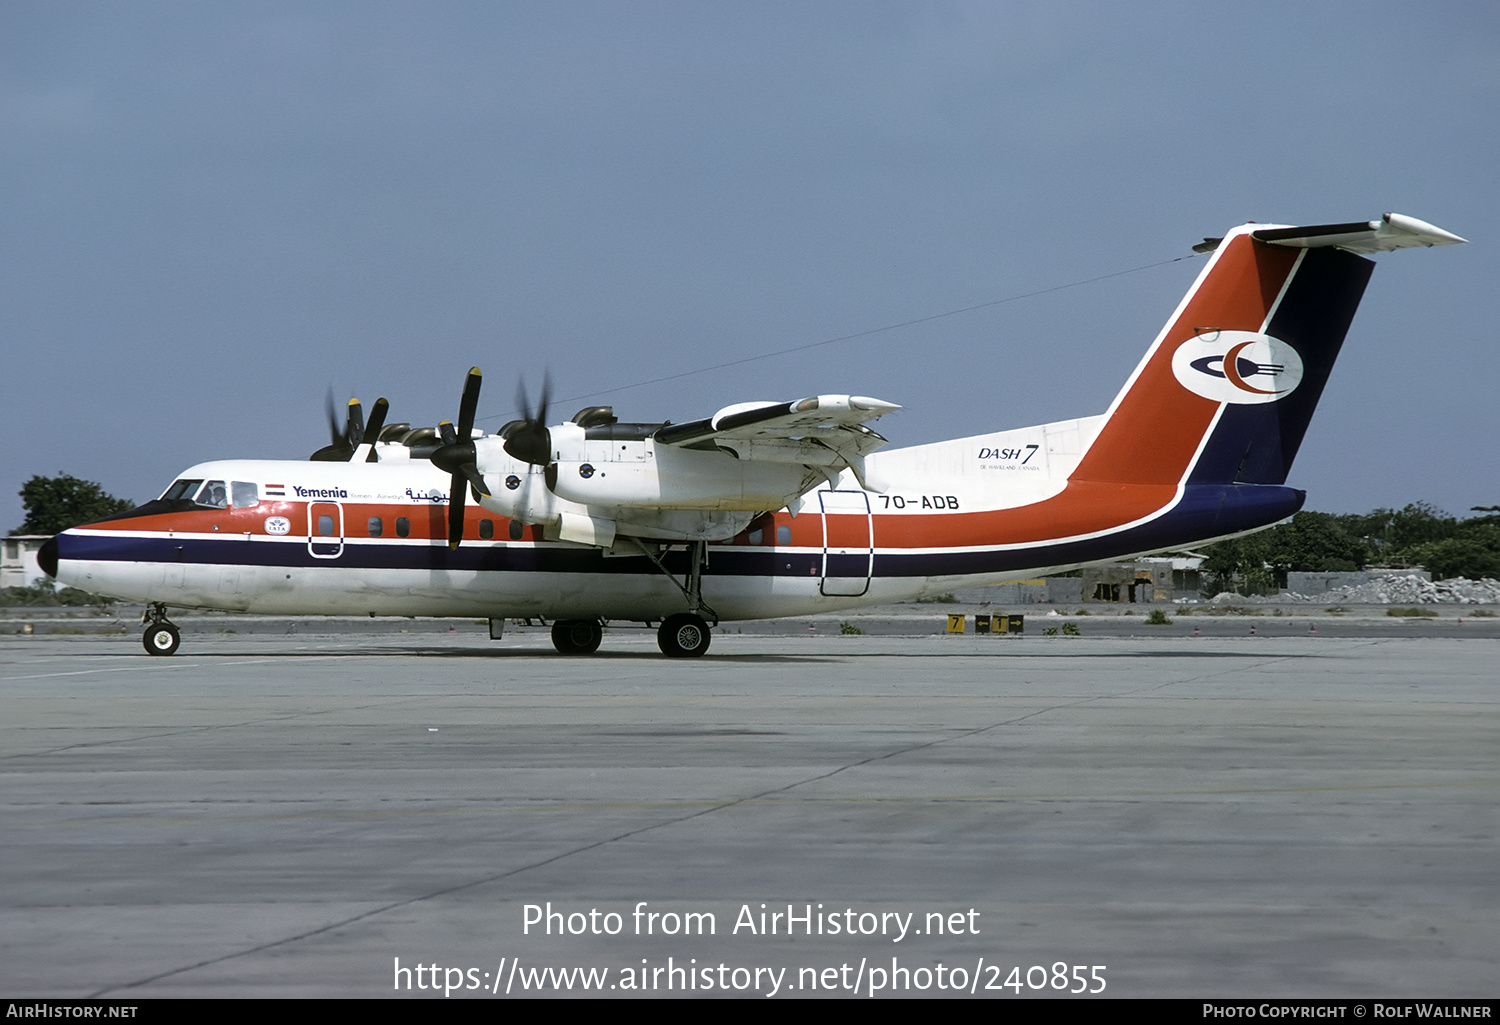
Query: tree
1314	542
53	504
1418	535
1237	558
1420	523
1456	557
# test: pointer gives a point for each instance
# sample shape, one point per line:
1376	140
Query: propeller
456	455
528	439
346	441
342	442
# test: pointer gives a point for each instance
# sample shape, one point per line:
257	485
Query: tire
576	636
684	635
161	639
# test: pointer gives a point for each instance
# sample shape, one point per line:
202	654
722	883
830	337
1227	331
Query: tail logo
1237	366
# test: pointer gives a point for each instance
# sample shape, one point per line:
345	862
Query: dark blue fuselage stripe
1205	511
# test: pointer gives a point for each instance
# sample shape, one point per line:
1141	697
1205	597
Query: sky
211	213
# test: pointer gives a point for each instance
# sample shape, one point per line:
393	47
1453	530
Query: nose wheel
684	635
161	637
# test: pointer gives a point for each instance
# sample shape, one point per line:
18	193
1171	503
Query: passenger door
325	530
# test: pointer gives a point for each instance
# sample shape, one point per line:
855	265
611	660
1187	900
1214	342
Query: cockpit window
214	495
182	489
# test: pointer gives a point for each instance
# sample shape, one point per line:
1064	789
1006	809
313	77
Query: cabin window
784	535
325	526
757	536
517	531
377	526
243	494
403	527
486	529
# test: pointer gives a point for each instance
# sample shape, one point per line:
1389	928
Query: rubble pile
1409	590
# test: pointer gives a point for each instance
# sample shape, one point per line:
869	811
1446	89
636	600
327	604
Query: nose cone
46	557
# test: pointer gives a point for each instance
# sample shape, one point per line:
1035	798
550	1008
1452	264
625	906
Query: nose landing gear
161	637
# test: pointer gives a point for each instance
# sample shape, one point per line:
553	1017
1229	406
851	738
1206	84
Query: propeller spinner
529	440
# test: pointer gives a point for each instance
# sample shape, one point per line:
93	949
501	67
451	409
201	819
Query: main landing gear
684	635
161	637
577	636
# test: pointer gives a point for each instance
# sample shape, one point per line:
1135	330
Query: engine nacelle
676	478
596	491
521	494
530	501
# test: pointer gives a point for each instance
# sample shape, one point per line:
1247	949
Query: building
18	565
1153	579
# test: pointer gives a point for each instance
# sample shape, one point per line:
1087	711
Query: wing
823	430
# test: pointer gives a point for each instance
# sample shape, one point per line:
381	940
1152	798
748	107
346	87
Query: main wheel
684	635
161	639
577	636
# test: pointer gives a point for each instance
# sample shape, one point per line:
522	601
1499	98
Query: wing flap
822	430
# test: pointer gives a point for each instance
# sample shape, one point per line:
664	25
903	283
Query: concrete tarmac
316	814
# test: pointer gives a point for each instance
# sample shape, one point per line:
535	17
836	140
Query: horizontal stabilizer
1392	231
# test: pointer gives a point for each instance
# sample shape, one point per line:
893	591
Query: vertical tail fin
1226	392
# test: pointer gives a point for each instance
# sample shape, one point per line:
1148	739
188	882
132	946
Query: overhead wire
860	334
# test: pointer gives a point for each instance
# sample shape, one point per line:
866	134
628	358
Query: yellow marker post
955	624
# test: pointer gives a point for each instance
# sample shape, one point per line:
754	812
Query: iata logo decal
1237	366
278	525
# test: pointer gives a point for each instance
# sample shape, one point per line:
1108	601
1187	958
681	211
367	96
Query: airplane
763	509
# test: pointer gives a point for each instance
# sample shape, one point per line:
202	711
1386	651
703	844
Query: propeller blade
471	472
456	510
335	432
354	424
541	412
522	402
375	426
468	403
